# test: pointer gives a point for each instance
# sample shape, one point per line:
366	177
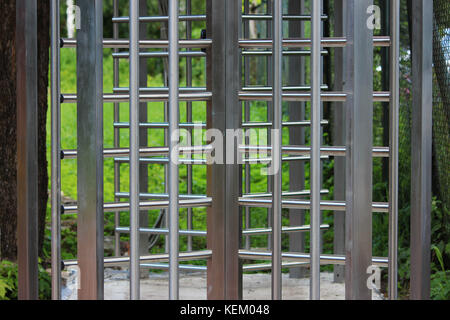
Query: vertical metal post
394	145
421	139
315	165
269	75
339	139
134	152
56	151
90	149
359	107
116	132
143	132
224	276
247	166
296	136
189	119
277	106
173	155
27	153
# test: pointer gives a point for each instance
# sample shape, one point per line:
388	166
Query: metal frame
27	153
421	139
90	149
224	96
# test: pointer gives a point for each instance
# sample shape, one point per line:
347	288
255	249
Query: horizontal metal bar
145	205
144	195
380	96
291	158
163	231
162	257
268	266
160	90
284	194
112	97
335	42
144	44
163	160
382	152
149	151
286	88
160	125
252	232
261	231
165	266
285	124
325	259
381	207
284	52
125	19
302	17
160	54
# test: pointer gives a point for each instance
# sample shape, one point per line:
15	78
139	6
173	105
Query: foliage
8	281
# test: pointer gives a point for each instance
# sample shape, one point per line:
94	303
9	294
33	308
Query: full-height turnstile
226	47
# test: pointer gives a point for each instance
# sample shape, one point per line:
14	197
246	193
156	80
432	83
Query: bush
8	282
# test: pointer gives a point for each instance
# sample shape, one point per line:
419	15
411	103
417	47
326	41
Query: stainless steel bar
56	151
111	98
143	113
206	96
146	205
134	152
284	194
247	168
160	89
291	229
285	88
277	67
148	151
285	52
162	54
304	123
161	266
379	207
160	125
162	257
116	130
268	266
290	158
421	154
186	17
394	147
359	85
306	96
27	152
335	151
165	160
189	217
173	109
325	259
338	135
90	149
286	17
224	276
163	231
159	195
144	44
315	149
333	42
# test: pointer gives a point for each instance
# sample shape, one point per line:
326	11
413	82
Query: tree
8	145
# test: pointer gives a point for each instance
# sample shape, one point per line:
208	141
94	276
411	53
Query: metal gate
237	146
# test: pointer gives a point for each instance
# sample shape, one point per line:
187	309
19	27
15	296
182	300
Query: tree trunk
8	139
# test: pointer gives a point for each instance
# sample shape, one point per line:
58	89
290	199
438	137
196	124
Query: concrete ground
193	286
